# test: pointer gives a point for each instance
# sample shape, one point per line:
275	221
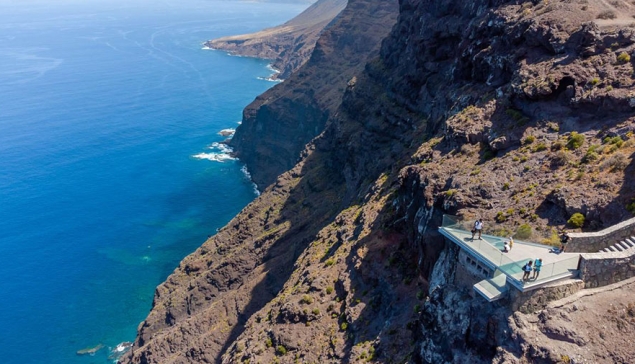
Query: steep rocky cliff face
289	45
279	123
519	112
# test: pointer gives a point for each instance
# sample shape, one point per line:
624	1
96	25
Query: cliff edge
518	112
289	45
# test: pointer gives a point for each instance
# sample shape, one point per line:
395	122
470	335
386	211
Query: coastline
271	78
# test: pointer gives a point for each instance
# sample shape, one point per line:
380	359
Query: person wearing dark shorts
527	270
564	239
478	228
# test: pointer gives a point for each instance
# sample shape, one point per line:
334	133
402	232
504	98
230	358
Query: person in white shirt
478	227
506	247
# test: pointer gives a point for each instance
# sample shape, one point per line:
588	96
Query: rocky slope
519	112
289	45
593	326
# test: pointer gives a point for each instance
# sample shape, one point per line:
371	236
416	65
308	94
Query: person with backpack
478	227
564	239
527	270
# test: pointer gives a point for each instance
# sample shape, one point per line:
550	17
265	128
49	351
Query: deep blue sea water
103	106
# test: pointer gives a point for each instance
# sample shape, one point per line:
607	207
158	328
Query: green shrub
576	140
576	220
624	57
523	232
281	350
557	145
344	326
329	262
500	217
420	295
529	139
505	186
616	140
591	155
306	299
594	81
553	239
316	311
631	207
268	342
329	290
540	147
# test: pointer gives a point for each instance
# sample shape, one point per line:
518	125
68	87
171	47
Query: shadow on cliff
308	206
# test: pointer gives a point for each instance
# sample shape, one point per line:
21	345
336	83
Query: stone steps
627	244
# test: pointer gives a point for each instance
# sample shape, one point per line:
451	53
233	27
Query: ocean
110	171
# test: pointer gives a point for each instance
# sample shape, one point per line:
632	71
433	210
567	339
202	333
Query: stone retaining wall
594	242
602	269
535	300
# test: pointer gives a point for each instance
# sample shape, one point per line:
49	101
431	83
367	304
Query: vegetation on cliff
519	112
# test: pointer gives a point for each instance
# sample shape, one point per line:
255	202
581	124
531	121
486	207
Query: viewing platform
501	270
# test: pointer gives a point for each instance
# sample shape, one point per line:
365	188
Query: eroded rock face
280	122
339	259
289	45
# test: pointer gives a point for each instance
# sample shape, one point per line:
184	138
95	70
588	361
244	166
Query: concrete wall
469	271
594	242
602	269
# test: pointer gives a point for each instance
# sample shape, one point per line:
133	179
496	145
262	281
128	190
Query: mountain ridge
289	45
495	109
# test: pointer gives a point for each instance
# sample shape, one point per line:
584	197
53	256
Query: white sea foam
270	68
119	350
269	79
215	157
221	153
221	147
122	347
248	175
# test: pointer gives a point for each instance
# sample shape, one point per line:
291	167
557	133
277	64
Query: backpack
527	268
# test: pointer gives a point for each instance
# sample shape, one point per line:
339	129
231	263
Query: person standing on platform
537	266
478	228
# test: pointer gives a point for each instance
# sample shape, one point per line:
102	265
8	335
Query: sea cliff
519	112
288	45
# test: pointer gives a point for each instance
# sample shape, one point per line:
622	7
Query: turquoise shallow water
103	106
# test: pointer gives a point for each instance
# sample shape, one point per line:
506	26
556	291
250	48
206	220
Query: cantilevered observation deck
504	270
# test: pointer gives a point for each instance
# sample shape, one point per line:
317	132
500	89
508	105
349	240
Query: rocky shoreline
288	45
517	112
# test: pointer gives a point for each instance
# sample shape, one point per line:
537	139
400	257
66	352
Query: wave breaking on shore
248	175
220	153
